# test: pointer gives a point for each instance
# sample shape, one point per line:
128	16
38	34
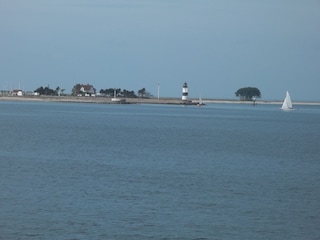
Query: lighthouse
185	92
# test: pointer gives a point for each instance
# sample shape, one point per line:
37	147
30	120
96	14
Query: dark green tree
128	94
248	93
46	91
39	90
58	91
108	92
142	92
76	89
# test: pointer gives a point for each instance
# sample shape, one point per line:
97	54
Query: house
86	90
17	92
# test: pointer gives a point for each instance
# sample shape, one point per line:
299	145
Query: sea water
96	171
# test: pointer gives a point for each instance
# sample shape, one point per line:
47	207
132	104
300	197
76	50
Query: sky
215	46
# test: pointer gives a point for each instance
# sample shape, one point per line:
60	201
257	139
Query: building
83	90
185	92
17	92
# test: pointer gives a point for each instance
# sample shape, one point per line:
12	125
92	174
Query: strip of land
108	100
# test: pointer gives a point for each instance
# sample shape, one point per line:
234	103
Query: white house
17	92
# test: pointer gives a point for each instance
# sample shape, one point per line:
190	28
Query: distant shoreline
108	100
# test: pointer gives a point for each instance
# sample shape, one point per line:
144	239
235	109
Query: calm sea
95	171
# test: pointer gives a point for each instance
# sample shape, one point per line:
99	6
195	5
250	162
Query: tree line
49	92
80	89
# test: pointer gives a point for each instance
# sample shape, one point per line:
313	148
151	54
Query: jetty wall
107	100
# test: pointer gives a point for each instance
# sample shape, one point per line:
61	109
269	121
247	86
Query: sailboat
287	104
200	103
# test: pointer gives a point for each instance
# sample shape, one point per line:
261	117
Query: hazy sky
216	46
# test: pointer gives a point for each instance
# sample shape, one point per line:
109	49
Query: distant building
17	92
83	90
87	90
185	92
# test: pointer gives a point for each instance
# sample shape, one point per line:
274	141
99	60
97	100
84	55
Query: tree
46	91
142	92
76	89
248	93
58	91
108	92
128	94
39	90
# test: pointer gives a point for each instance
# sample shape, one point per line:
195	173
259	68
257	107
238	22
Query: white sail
200	103
287	104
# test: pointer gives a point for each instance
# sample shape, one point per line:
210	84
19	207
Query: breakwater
108	100
101	100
